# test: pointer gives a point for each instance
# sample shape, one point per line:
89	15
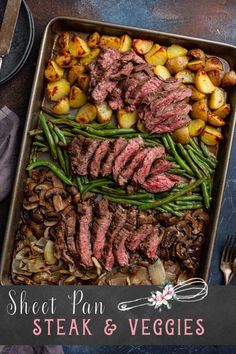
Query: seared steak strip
70	224
83	237
99	155
117	146
60	244
151	243
140	235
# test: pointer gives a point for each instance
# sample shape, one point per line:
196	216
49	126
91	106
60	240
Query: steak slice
116	148
102	89
131	148
74	150
159	167
100	153
147	68
125	234
160	183
152	155
60	244
87	151
139	235
131	167
150	245
70	223
172	125
101	224
133	57
83	236
123	72
118	220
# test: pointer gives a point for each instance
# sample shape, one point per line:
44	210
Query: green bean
39	144
79	184
33	154
202	157
192	206
68	134
177	157
51	113
186	203
60	121
165	143
206	152
39	137
189	198
42	149
95	184
202	165
195	145
52	167
179	171
205	194
124	201
63	140
35	132
173	197
169	209
110	132
134	196
59	152
49	137
187	158
85	133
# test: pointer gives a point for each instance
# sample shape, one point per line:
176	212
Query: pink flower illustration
159	298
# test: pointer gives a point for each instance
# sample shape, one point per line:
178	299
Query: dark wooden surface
211	19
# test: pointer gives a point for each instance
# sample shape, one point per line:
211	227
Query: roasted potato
215	120
217	98
162	71
223	111
197	54
62	106
83	81
229	79
143	46
58	89
53	72
63	40
126	119
203	83
150	56
77	97
200	110
181	135
140	126
196	127
110	41
213	63
176	50
86	114
65	59
104	112
92	55
74	73
215	76
161	56
125	43
196	65
196	95
186	76
176	64
94	40
78	47
211	136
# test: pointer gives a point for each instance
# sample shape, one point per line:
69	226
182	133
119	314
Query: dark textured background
211	19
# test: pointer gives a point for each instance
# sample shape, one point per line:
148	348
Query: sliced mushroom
29	206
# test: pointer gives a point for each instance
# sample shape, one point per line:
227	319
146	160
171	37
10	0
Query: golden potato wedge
223	111
125	43
229	79
65	59
213	63
211	136
58	89
181	135
217	98
83	81
77	97
110	41
62	106
126	119
197	54
186	76
200	110
161	56
203	83
104	112
78	47
215	120
92	55
53	72
196	65
174	65
162	71
176	50
143	46
63	40
196	95
86	114
150	56
74	73
140	126
215	76
196	127
94	40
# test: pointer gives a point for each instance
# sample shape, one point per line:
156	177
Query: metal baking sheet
225	51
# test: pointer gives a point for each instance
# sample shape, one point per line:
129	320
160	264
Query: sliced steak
132	56
159	167
87	151
118	220
148	69
131	148
172	125
117	147
60	244
123	72
70	224
150	245
160	183
102	89
100	153
74	150
83	237
152	155
101	224
139	235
